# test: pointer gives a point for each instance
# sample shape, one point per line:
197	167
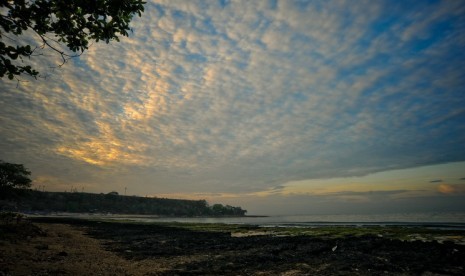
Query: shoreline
129	248
262	220
68	214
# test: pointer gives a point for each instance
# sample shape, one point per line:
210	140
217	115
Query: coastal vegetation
14	176
16	195
26	200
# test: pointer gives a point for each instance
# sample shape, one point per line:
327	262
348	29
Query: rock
42	247
63	254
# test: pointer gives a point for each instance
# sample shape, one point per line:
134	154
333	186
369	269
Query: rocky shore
82	247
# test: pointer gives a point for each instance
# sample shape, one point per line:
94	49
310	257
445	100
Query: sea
430	220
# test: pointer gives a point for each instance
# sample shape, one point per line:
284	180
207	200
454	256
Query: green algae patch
211	227
389	232
403	233
333	232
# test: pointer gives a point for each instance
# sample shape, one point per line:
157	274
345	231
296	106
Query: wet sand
79	247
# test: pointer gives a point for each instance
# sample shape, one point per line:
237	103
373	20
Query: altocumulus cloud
244	96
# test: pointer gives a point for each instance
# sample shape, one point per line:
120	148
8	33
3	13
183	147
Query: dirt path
65	250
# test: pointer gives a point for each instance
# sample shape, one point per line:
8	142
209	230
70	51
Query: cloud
242	98
436	181
451	189
374	202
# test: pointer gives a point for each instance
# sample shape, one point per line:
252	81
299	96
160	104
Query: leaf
71	23
13	55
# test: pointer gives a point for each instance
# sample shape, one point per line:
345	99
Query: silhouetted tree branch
59	24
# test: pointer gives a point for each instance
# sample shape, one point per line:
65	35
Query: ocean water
436	220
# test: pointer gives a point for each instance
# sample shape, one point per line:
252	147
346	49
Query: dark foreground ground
169	250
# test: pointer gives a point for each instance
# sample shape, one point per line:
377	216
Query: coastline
131	248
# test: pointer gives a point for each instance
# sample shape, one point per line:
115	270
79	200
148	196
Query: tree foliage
74	202
57	23
14	176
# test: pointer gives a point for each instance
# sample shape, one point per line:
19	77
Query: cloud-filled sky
258	104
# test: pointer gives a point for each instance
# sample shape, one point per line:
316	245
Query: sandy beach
81	247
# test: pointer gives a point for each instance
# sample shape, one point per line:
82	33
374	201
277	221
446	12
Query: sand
62	249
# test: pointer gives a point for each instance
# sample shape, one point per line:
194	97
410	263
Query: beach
64	246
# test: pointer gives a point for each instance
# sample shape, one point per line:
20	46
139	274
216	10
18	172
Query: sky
280	107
